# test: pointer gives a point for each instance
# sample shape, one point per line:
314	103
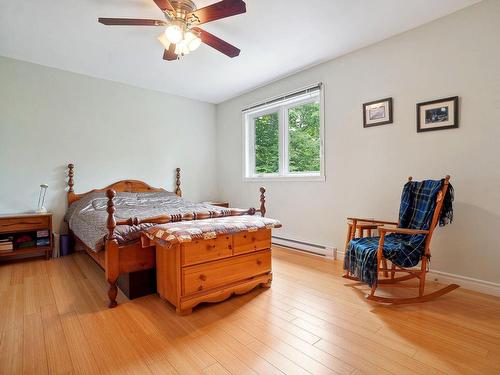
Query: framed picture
378	112
437	114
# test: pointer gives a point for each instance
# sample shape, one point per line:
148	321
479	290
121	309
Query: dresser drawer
24	224
199	251
207	276
246	242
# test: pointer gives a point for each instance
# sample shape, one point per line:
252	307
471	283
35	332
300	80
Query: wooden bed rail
163	219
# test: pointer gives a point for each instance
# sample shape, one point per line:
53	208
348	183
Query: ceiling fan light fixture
164	41
181	34
192	40
194	44
181	48
174	33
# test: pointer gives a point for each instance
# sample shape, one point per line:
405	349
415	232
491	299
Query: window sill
301	178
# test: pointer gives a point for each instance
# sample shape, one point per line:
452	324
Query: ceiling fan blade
169	54
217	43
164	5
130	22
222	9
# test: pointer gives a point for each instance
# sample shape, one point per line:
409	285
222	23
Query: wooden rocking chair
390	274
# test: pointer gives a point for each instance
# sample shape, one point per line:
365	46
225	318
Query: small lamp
41	199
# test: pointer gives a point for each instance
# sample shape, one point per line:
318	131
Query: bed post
71	183
178	190
70	180
262	202
112	251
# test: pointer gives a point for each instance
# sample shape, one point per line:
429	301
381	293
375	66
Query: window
284	137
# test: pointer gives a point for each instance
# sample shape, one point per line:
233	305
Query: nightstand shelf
16	225
28	250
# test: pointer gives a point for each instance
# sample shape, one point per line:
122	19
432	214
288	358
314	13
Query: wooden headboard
130	186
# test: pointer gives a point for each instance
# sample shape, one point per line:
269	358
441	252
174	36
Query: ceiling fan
182	35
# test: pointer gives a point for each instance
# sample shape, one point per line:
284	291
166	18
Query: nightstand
14	228
218	203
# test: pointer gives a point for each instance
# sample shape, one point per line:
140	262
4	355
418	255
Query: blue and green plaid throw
418	202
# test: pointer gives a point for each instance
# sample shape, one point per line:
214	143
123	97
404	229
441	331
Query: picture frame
377	112
438	114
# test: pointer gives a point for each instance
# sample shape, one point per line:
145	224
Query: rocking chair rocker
394	244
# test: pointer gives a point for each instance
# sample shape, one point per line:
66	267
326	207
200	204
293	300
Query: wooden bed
118	259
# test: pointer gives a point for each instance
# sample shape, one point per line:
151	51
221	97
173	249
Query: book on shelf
6	244
25	244
43	242
24	241
42	233
6	247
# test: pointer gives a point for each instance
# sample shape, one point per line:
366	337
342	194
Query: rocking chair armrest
384	229
372	220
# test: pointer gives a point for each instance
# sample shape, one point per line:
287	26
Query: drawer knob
259	262
253	239
203	277
210	247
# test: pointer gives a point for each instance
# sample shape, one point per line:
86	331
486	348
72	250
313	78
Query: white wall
366	168
110	131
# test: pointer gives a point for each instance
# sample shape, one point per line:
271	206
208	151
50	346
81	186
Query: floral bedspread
185	231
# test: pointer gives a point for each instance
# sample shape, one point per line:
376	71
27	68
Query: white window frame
281	108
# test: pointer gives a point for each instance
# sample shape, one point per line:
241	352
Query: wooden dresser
211	271
18	225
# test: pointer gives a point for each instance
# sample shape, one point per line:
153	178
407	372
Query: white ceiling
276	37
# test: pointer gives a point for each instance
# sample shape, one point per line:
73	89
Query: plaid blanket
418	202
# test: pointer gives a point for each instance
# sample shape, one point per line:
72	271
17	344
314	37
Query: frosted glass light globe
164	41
192	40
181	48
194	44
174	34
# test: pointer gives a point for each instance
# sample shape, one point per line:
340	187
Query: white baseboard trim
477	285
465	282
315	249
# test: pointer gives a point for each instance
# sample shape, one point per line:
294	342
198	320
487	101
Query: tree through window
284	138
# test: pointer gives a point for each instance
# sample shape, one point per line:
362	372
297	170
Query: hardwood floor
54	320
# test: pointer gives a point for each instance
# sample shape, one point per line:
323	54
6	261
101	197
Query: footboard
131	258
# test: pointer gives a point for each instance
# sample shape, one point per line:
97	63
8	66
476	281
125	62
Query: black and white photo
437	114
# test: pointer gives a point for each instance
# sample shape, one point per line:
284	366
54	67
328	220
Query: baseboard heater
326	251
